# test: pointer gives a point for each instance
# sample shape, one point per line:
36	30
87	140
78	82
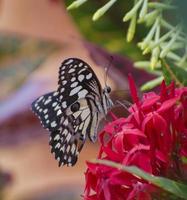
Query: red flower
153	137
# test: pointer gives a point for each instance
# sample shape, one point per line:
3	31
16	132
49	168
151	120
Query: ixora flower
153	137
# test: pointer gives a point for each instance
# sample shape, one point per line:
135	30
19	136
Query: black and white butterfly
74	111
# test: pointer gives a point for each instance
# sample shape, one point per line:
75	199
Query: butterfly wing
68	141
72	110
76	81
48	109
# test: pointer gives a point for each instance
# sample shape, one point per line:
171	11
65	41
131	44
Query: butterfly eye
75	107
108	89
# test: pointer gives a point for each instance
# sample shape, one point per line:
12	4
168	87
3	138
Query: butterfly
73	112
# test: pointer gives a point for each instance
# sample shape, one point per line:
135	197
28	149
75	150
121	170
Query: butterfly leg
126	104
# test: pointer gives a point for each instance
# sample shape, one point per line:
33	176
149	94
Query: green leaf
174	73
176	188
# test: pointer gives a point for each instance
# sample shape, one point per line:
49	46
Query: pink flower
153	137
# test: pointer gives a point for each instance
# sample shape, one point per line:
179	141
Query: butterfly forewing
77	80
71	113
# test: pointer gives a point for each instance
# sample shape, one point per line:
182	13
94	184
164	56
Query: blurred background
35	37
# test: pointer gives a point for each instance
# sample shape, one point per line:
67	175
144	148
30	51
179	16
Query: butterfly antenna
107	69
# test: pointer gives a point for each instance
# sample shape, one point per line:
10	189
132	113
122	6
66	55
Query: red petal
159	122
106	191
134	131
160	156
139	147
167	105
118	143
149	101
133	90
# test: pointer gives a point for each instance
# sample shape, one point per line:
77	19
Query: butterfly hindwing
48	109
76	125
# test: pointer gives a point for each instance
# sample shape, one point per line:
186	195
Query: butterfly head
107	102
107	89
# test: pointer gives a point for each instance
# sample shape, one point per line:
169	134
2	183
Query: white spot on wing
69	61
66	122
64	82
81	70
45	111
82	93
74	84
62	163
68	148
80	64
89	76
62	148
54	104
75	90
76	114
55	94
63	67
57	146
56	108
47	101
64	104
71	70
57	137
81	77
73	79
46	116
53	124
40	98
68	137
65	132
73	148
58	159
59	112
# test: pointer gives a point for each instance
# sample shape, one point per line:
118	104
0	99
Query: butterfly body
74	111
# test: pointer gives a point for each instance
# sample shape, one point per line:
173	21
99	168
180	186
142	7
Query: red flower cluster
153	137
